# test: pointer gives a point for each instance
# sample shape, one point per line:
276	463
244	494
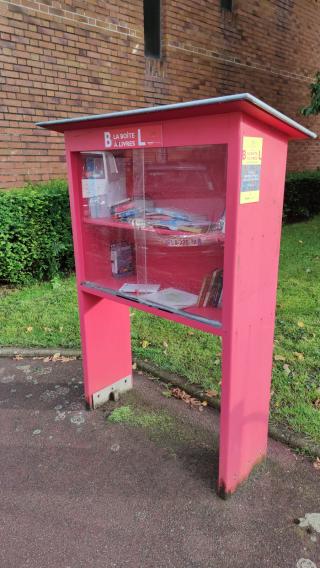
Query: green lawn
46	315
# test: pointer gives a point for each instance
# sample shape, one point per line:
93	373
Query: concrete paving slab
77	490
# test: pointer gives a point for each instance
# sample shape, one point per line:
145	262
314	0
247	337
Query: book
122	259
209	294
194	228
211	289
122	206
203	290
131	207
217	289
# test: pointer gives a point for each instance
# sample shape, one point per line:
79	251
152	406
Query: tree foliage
314	107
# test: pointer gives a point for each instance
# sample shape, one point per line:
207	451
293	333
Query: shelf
209	316
166	237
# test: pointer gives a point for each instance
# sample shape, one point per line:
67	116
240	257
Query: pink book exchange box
176	210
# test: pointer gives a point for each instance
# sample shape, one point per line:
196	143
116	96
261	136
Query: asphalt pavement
132	484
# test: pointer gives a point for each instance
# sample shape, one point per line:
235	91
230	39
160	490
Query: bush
35	233
301	196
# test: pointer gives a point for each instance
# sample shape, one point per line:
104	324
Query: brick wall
60	59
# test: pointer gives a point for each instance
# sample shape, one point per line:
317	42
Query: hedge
301	196
35	226
35	233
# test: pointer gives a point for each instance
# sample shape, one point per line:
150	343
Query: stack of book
211	290
130	209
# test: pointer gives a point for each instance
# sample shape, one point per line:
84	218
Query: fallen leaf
165	344
187	398
179	393
190	332
279	358
212	393
204	403
316	464
217	361
300	324
66	359
134	366
29	329
317	403
145	343
18	357
58	357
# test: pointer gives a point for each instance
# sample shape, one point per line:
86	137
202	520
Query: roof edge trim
197	103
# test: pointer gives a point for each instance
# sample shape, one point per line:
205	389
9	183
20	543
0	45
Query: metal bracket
113	391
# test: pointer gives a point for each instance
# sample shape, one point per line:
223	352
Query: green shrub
301	196
35	233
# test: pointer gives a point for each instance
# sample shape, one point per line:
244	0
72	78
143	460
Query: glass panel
154	226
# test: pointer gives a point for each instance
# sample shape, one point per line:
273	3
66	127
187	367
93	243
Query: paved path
79	491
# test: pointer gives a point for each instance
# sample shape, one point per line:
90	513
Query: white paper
116	180
173	298
92	187
112	186
136	288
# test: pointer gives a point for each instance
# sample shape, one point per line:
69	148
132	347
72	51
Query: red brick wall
60	59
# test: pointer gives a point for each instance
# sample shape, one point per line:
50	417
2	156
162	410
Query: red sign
142	136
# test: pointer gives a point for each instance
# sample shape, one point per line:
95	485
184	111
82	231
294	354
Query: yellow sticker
251	169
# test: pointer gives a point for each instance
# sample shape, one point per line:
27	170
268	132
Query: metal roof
65	124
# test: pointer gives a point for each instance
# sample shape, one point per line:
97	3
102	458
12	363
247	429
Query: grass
159	425
152	420
40	315
46	315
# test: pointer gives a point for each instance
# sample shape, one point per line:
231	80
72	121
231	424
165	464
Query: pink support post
250	313
104	323
106	348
